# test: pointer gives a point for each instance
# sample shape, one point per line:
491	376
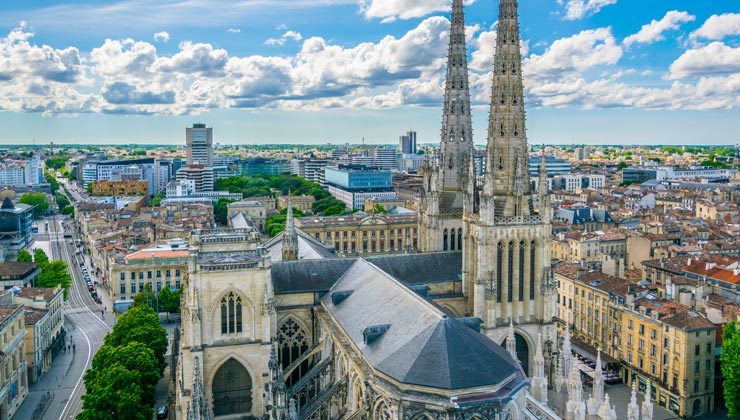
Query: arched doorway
232	389
697	408
522	351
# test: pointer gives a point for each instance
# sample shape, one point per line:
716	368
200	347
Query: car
162	412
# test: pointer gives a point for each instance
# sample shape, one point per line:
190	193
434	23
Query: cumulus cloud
284	37
587	49
201	59
390	10
653	31
718	26
161	36
715	58
579	9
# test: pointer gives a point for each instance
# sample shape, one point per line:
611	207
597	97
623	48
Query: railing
309	409
536	410
306	354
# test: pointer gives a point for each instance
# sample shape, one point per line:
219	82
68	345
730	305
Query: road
86	328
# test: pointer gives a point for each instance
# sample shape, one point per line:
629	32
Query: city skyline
338	71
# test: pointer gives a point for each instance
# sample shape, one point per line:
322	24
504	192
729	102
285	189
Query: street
57	394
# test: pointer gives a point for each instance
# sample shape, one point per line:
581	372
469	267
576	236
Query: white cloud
201	59
579	9
390	10
715	58
161	36
653	31
587	49
233	30
718	27
284	37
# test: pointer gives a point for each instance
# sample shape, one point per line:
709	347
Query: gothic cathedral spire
445	179
508	168
506	247
456	140
290	237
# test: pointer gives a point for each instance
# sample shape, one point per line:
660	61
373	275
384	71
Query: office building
267	166
407	143
555	166
201	175
199	143
353	184
16	222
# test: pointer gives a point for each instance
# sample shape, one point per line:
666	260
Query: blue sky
318	71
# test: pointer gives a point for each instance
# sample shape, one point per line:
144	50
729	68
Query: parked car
162	412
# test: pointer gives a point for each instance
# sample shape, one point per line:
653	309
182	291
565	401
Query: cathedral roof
319	275
421	268
406	337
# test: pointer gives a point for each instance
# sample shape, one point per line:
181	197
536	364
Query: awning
586	369
588	351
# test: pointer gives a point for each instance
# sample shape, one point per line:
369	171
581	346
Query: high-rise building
444	181
199	142
407	143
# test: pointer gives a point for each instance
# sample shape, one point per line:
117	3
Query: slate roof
318	275
422	346
13	268
308	275
421	268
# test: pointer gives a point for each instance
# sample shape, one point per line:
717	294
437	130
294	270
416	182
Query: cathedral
462	330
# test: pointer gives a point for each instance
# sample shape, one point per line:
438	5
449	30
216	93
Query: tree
54	274
141	324
38	201
52	180
134	356
115	393
56	162
40	257
622	165
156	200
62	200
220	210
731	367
68	211
24	256
378	209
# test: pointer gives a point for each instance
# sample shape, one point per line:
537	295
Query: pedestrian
73	348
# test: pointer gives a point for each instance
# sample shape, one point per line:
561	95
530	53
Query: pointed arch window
531	269
510	273
499	269
521	271
231	314
452	239
445	240
459	239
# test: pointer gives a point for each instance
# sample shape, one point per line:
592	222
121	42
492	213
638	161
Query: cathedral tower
506	256
445	177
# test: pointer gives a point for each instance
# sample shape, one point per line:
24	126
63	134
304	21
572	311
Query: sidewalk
52	382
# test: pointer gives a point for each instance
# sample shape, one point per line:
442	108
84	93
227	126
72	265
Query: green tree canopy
133	356
40	257
56	162
62	200
622	165
220	210
68	211
276	223
24	256
52	180
731	368
156	200
39	201
141	324
115	392
54	273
